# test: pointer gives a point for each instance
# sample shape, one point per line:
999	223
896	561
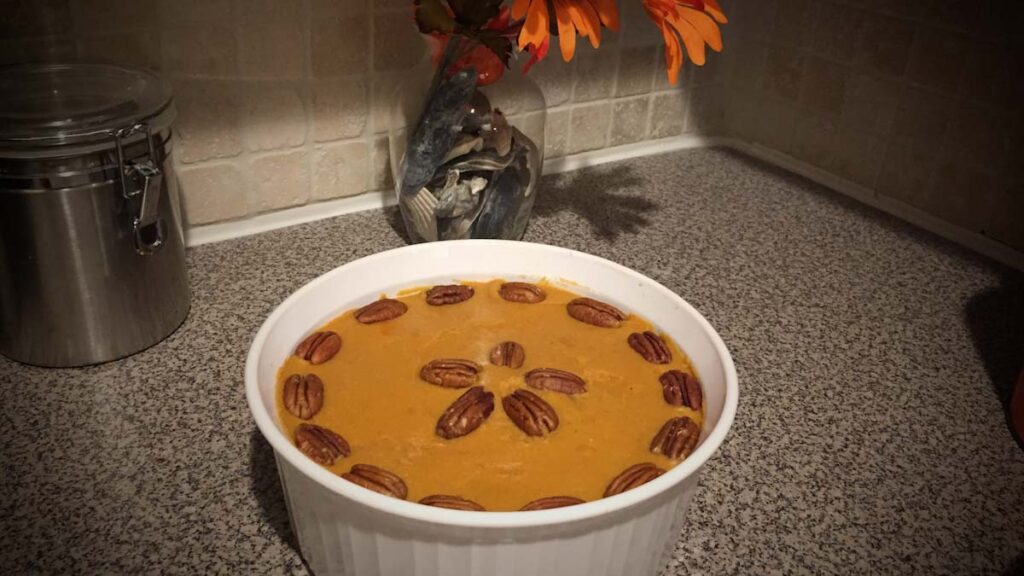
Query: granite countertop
873	360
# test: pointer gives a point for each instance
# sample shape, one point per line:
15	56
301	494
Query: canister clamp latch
142	179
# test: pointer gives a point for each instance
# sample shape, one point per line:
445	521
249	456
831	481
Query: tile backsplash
286	102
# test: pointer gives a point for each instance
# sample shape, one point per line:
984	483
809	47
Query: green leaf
432	16
473	14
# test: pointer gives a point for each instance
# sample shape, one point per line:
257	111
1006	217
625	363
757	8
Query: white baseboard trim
967	238
376	200
208	233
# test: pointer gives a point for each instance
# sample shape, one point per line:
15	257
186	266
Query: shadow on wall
996	320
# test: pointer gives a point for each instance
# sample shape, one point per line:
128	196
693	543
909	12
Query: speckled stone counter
873	360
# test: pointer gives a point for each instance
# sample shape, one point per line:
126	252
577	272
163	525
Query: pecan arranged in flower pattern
451	372
451	502
319	347
522	292
555	380
377	479
530	413
381	311
509	354
303	395
651	347
635	475
681	389
677	438
466	414
596	313
449	294
551	502
322	445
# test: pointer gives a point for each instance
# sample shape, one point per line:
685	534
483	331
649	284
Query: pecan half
594	312
530	413
319	347
303	395
449	294
465	414
509	354
651	347
323	446
380	311
451	372
681	389
677	438
555	380
551	502
452	503
377	479
632	477
522	292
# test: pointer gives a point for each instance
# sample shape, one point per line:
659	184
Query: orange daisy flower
571	16
689	23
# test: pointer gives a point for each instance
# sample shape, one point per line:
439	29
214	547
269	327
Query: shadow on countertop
594	195
266	487
996	320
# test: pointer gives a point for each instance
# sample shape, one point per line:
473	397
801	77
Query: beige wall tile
595	74
961	195
139	48
212	193
859	157
816	140
398	45
637	28
175	13
556	133
341	170
588	127
93	16
749	65
280	180
668	114
906	173
273	117
1005	222
636	70
783	72
824	85
515	94
206	50
921	117
340	108
629	120
938	59
794	22
555	79
382	178
774	125
885	45
836	31
871	102
706	112
272	39
983	138
992	75
34	18
755	20
339	38
209	121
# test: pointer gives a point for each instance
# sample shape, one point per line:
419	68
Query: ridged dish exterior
341	537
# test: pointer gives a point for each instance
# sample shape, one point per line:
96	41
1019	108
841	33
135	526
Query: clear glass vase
466	159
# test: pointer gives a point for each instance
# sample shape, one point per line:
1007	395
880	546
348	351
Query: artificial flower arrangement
482	34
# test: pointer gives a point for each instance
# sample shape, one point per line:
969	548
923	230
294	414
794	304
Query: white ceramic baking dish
347	530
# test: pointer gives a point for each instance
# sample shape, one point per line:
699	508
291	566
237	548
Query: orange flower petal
705	26
609	13
673	54
586	21
566	32
519	8
535	29
690	37
712	7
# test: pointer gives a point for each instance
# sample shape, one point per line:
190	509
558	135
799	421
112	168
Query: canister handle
148	229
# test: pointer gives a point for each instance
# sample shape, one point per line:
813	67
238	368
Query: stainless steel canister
92	258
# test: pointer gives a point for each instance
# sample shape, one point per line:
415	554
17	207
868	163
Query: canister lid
46	105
